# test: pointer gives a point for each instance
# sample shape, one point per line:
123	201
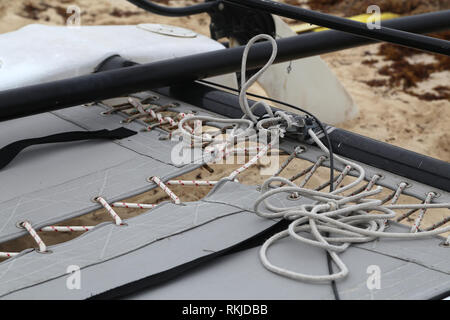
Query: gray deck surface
50	183
170	235
242	276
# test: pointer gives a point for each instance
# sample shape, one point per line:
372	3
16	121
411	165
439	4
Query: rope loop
332	221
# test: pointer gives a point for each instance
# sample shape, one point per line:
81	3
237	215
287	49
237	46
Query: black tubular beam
174	11
346	25
20	102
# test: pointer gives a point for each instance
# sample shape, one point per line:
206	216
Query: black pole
346	25
174	11
20	102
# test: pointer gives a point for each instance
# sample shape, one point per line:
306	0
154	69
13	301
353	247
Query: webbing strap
9	152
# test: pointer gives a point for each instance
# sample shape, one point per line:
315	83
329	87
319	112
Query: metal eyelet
149	100
301	149
95	199
435	196
444	244
89	104
19	224
408	185
381	177
293	197
43	252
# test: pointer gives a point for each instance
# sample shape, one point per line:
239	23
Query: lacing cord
345	218
273	125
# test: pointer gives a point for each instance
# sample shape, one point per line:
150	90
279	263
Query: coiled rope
347	219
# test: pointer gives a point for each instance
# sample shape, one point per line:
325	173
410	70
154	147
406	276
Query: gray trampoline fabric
171	235
241	276
50	183
169	222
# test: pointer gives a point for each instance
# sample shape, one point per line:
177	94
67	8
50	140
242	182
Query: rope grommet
293	197
148	100
33	233
435	194
19	224
408	185
95	199
444	244
379	175
43	252
299	150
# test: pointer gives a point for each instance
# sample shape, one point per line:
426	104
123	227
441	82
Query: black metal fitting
239	23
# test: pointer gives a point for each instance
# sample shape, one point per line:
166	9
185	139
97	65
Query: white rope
416	226
35	236
8	254
244	125
252	161
110	210
151	113
372	182
398	192
243	128
133	205
245	85
166	189
341	176
195	183
312	171
347	218
67	228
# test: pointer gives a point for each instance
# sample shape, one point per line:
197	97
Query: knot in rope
289	120
333	205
